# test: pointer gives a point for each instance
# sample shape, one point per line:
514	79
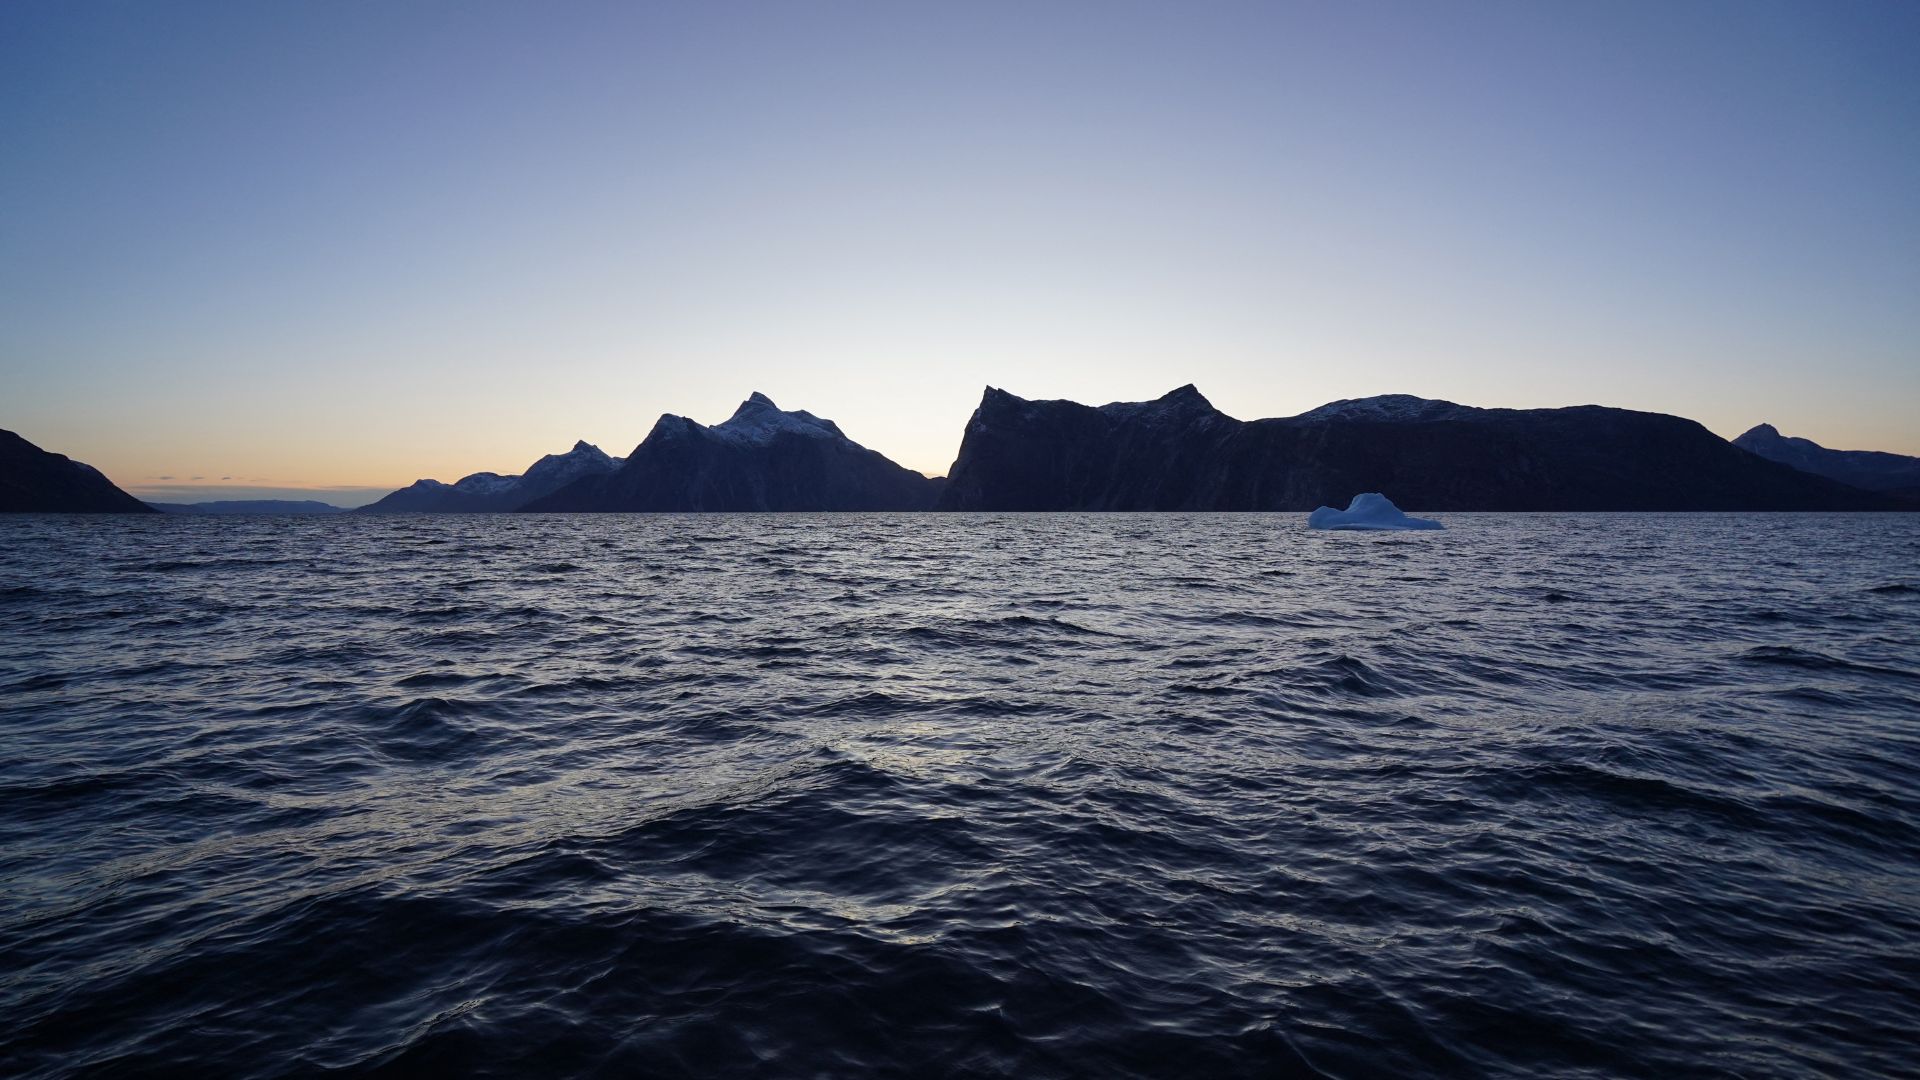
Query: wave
1814	660
1014	795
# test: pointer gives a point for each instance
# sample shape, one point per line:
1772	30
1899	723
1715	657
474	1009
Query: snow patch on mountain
759	420
557	470
485	483
1175	405
1389	408
484	491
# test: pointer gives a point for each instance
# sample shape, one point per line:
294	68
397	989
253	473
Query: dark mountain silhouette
1895	474
487	492
760	459
1180	453
249	506
33	480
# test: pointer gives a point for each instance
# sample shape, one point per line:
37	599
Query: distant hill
487	492
249	506
1180	453
33	480
762	458
1895	474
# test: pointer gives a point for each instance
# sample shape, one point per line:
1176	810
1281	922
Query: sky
253	249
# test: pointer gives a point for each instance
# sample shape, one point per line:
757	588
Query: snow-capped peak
549	472
557	469
758	419
485	483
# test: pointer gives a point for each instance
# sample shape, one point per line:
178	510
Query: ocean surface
1021	796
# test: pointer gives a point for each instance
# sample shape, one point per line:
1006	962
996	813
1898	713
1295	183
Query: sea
1042	795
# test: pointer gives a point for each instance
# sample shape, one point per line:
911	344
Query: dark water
977	795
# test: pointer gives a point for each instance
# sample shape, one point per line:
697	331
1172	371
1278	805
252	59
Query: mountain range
485	492
1871	470
1176	452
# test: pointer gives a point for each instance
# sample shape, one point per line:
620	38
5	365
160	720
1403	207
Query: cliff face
1179	453
763	458
1873	470
1167	454
33	480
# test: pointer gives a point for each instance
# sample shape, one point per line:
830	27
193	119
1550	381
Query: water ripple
967	795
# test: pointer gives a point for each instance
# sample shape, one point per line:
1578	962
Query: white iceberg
1369	511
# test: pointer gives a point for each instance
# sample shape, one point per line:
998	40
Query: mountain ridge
1179	453
488	492
249	506
33	480
761	458
1870	470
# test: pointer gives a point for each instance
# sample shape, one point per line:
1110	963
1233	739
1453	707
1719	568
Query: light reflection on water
1023	795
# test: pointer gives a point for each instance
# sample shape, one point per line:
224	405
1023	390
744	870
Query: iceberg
1371	510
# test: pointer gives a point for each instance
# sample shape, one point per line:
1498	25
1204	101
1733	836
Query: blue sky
345	245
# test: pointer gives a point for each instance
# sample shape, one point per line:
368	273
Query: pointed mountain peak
556	469
1761	431
1186	395
583	451
756	405
758	419
996	404
1183	405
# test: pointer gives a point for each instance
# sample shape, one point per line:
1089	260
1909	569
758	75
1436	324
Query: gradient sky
346	245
